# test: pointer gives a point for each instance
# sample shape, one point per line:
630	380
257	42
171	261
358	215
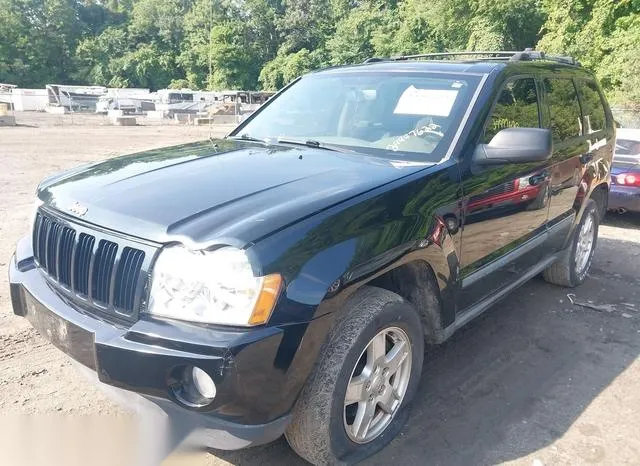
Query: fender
326	258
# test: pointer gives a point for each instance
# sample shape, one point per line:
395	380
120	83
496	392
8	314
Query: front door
505	205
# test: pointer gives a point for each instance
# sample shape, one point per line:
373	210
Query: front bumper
624	197
253	398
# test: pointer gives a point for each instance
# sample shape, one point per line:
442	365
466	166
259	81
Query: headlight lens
524	183
216	287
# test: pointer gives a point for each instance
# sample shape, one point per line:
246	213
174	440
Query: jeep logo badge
78	209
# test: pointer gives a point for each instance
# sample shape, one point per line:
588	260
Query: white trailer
29	100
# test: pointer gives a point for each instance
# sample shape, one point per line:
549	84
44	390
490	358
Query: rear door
505	205
578	127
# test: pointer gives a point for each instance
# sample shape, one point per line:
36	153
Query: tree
37	38
266	43
604	35
286	67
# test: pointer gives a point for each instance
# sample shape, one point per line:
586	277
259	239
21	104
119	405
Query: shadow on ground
628	220
515	379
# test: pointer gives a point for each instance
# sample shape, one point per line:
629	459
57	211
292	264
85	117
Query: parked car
625	172
286	279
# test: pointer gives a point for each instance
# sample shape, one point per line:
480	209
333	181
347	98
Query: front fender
327	257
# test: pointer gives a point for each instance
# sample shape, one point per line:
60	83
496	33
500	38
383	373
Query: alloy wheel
377	385
586	238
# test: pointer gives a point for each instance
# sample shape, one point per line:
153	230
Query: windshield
395	115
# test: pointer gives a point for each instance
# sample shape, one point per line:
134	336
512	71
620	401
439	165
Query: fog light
203	383
192	387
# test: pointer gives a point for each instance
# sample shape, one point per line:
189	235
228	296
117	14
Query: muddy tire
572	267
378	332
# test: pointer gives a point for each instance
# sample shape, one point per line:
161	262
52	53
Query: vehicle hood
224	191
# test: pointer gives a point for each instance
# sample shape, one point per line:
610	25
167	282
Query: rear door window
517	107
566	118
592	107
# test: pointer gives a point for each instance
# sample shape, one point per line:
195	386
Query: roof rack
524	55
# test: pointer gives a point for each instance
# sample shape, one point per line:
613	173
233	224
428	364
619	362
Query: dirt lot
535	381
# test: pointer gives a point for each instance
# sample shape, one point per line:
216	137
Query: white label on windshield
430	102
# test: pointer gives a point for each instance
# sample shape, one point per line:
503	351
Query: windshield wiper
246	137
312	143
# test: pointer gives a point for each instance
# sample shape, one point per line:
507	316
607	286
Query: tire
569	271
319	428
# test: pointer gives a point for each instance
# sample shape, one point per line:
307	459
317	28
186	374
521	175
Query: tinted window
564	107
594	116
517	107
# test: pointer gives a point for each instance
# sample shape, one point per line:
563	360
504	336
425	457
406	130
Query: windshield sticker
426	129
429	102
408	163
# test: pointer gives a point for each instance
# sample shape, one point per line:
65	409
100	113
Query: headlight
216	287
524	183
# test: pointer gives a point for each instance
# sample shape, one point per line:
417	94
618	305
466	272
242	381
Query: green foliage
604	35
286	67
266	43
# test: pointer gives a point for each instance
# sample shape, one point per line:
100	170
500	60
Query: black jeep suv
285	279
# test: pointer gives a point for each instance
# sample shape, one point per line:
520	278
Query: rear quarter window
564	108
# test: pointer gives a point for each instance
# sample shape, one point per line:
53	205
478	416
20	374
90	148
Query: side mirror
515	145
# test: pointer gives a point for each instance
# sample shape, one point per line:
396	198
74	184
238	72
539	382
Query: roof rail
527	54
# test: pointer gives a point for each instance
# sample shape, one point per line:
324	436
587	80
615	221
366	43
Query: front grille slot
42	241
84	251
128	274
103	273
52	248
102	270
65	254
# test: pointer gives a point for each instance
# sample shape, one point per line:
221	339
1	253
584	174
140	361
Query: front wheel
571	268
357	398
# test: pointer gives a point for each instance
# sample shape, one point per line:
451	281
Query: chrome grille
103	272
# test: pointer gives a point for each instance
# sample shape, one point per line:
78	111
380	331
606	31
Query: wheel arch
600	194
416	283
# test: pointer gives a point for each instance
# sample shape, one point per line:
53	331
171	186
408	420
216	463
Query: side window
564	108
593	109
517	107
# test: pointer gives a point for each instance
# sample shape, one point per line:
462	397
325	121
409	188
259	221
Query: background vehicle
625	172
286	279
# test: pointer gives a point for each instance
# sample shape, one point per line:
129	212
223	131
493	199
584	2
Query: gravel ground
537	380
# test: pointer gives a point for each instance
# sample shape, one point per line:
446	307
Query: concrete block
7	120
55	110
155	114
182	117
124	121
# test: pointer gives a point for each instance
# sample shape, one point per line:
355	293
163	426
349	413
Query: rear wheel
572	267
357	398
